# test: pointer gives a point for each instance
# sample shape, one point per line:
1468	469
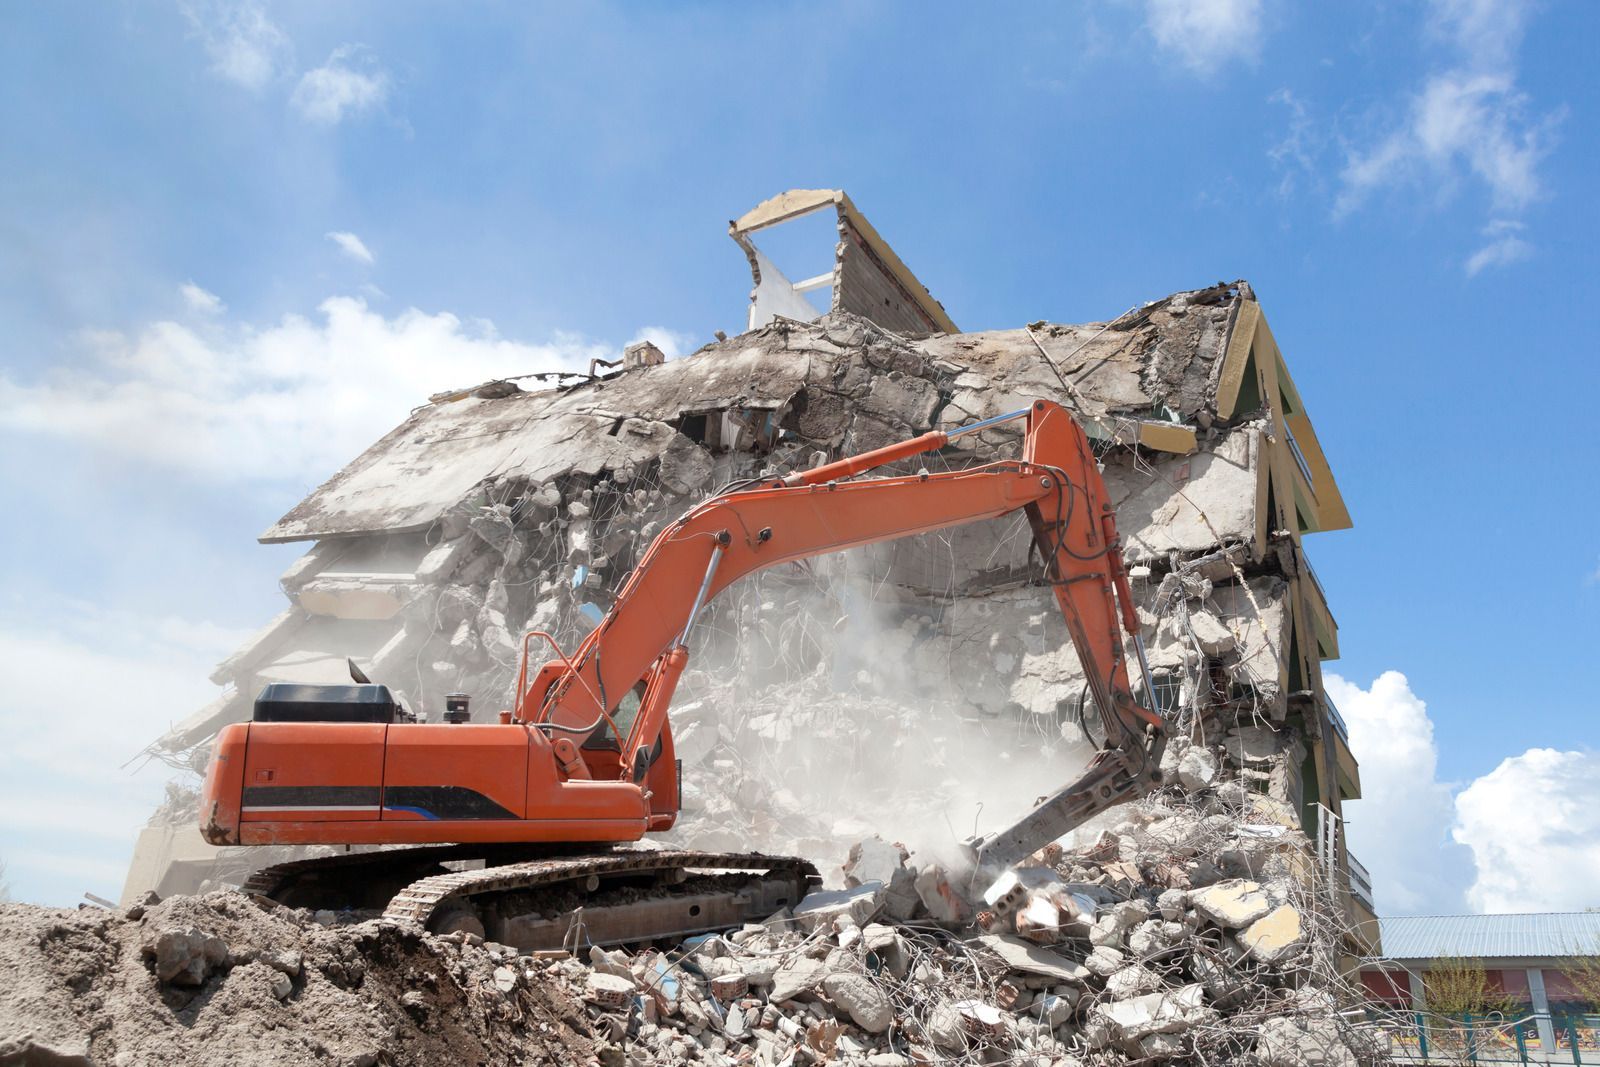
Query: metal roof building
1524	936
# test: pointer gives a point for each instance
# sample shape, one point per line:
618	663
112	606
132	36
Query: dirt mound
228	979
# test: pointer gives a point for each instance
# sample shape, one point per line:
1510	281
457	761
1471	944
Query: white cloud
1400	827
1460	125
1469	126
352	246
1533	824
1296	156
1504	246
1524	837
1488	32
82	691
349	83
673	343
201	300
244	46
1206	34
283	404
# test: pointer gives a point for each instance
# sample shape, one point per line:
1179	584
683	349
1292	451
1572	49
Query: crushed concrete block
1252	744
886	943
943	902
1232	904
1040	921
798	976
1106	932
982	1020
1265	809
873	860
1131	981
889	1059
686	468
1224	986
1214	637
1197	769
1274	936
1031	959
185	956
1053	1009
861	998
1169	1012
27	1049
1129	913
1104	961
1148	938
945	1028
694	732
1161	1046
282	986
1302	1041
821	907
1172	904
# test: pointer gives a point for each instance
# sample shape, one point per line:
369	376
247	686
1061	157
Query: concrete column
1541	1004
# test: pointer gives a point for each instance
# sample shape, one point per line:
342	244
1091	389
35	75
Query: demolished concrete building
896	689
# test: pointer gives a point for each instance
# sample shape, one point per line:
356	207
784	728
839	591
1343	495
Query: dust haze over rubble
838	710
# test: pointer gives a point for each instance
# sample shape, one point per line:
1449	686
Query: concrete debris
1303	1041
1129	1020
1274	936
1214	968
1197	768
185	957
866	1004
824	909
226	979
792	979
1232	904
1185	974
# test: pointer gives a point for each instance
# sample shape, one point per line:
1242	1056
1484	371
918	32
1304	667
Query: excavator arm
642	642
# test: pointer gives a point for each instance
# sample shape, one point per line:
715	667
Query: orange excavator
514	825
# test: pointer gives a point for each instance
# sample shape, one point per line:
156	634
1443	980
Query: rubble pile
1191	929
230	979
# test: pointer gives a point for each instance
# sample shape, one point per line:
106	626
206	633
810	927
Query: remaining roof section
867	279
435	458
1530	935
1193	379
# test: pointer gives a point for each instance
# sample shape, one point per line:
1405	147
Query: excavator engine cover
283	702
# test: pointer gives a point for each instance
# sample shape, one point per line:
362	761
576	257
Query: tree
1463	1007
1459	986
1582	969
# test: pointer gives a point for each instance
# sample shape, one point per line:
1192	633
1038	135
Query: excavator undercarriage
543	898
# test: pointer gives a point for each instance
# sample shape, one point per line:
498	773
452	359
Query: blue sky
239	241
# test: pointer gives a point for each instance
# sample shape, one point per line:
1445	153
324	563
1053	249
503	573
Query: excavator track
550	901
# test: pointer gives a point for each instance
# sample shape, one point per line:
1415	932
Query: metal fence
1539	1038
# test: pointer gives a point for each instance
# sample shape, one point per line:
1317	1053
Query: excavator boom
1057	483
